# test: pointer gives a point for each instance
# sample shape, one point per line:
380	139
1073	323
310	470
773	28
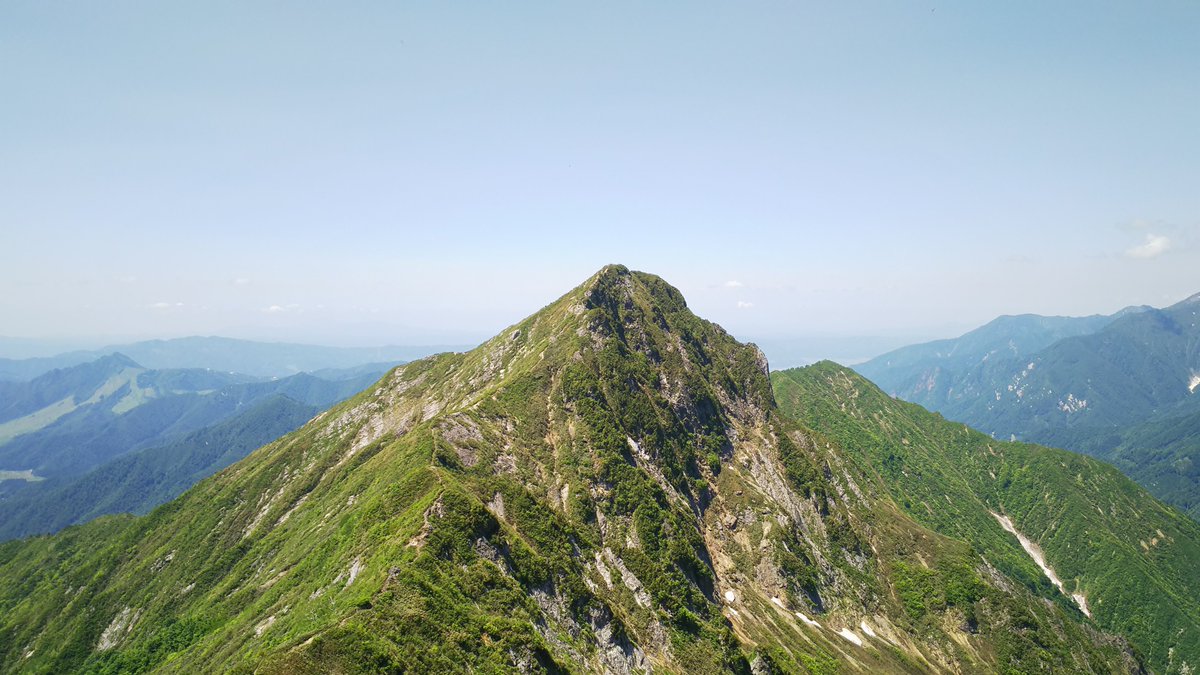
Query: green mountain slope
1135	561
929	374
1136	367
607	486
1163	454
1128	393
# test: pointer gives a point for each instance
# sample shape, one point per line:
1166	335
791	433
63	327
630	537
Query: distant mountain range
261	359
616	485
110	435
1125	388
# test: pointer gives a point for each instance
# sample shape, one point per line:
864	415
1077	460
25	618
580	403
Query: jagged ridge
606	486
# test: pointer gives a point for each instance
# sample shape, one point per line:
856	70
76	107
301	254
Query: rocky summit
607	486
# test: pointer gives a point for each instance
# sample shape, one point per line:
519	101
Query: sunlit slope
1134	560
607	486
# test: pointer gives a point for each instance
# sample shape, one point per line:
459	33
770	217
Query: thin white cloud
733	283
742	304
1154	246
274	309
241	281
166	305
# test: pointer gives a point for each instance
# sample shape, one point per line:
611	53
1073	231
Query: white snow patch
866	628
730	596
1072	404
1193	383
1035	552
778	602
807	620
850	636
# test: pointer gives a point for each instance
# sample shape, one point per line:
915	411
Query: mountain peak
117	359
605	486
102	367
609	273
615	315
614	286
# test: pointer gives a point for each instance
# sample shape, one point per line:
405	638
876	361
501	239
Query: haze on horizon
430	174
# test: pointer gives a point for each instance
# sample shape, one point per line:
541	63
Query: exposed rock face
606	487
116	631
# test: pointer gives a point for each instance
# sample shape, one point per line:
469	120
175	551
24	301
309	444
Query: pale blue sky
388	173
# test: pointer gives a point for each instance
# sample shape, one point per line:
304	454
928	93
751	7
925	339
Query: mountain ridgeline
1124	388
260	359
1129	561
607	486
929	373
110	435
136	482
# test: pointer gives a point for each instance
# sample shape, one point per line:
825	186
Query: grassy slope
1163	455
1133	374
492	509
1136	560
